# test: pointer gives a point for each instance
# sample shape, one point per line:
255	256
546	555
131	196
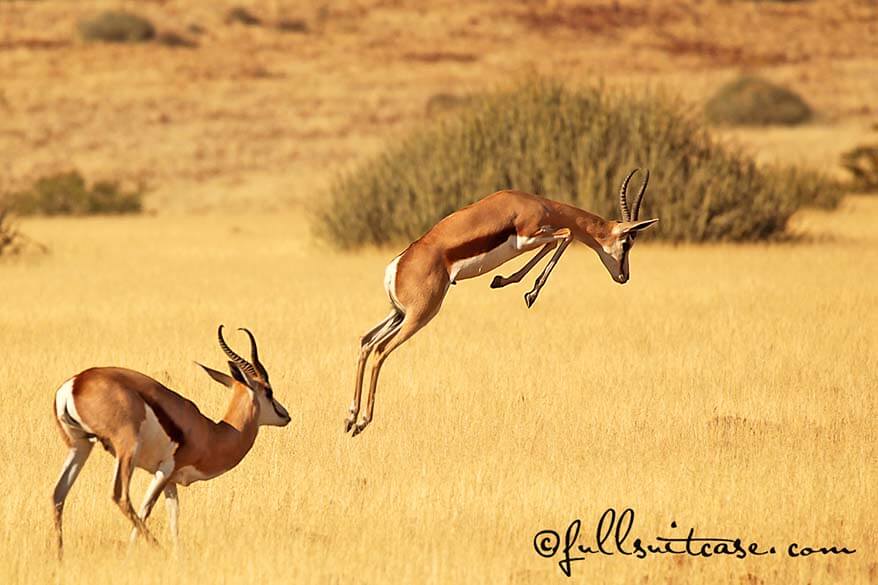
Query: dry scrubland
727	388
254	111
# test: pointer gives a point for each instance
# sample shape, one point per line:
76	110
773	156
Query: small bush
575	146
241	15
117	27
10	238
293	25
175	40
752	101
862	163
68	194
446	102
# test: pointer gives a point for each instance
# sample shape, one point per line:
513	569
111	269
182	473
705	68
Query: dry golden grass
728	388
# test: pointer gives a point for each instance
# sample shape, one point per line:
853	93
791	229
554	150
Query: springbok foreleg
159	481
501	281
172	503
566	236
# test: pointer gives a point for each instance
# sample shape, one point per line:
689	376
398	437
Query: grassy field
731	389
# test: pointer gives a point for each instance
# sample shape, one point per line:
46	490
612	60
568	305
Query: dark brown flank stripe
168	424
478	245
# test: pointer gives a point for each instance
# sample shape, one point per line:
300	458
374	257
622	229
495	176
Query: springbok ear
224	379
627	227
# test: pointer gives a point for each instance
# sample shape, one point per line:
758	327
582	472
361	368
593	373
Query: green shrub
862	163
10	238
293	25
68	194
117	27
241	15
440	103
575	146
175	40
752	101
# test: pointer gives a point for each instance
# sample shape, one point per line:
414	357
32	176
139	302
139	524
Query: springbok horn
623	197
254	354
244	364
636	209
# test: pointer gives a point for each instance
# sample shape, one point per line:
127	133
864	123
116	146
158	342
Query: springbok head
253	376
615	248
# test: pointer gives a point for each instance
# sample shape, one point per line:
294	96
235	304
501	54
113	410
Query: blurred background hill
261	103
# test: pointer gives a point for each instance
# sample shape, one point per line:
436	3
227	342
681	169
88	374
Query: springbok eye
626	245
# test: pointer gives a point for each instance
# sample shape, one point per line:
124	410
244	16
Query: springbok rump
144	424
476	240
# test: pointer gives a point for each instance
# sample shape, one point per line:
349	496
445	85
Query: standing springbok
146	425
475	240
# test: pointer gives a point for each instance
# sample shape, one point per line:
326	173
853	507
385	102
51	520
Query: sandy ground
286	111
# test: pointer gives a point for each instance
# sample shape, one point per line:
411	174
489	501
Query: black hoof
496	282
529	300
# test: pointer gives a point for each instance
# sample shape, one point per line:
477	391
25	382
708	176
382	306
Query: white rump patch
64	402
390	283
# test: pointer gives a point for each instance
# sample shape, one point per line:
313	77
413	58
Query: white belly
155	445
483	263
186	475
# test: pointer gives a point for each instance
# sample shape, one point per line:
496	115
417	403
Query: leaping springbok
476	240
146	425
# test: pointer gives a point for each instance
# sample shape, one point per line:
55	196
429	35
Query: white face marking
64	401
478	265
268	412
155	445
390	282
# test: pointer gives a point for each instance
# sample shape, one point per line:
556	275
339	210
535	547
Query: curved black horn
636	209
244	364
623	197
254	354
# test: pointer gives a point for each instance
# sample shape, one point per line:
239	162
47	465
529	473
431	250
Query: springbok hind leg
411	324
79	452
387	326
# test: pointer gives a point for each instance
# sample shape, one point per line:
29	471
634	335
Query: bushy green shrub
10	238
574	146
862	163
68	194
117	27
752	101
445	102
241	15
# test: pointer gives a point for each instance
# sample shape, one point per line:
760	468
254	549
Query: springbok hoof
359	428
530	299
348	423
497	282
